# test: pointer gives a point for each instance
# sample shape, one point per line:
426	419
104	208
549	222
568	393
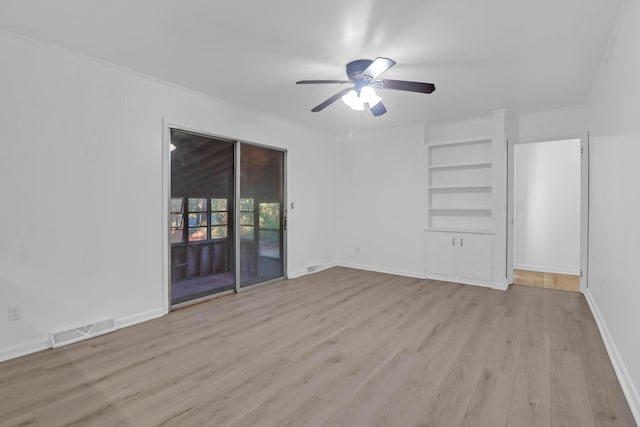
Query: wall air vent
68	336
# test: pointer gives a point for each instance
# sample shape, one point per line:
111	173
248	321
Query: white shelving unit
459	186
465	203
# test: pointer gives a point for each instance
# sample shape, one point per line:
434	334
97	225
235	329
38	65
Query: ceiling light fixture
172	147
353	101
364	74
367	95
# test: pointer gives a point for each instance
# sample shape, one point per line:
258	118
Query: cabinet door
475	256
441	253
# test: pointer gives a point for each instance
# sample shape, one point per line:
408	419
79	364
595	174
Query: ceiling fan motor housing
356	68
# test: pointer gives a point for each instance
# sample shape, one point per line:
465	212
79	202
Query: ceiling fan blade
316	82
377	67
378	109
331	100
406	85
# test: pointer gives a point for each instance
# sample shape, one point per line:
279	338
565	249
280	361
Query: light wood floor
539	279
341	347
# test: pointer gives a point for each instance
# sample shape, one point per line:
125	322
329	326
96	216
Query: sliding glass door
221	242
262	214
202	216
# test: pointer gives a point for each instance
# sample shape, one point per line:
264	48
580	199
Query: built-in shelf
470	210
461	165
460	230
461	141
459	194
460	187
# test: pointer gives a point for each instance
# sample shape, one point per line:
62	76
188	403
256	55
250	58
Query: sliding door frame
284	213
167	126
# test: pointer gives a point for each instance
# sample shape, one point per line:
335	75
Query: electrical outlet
14	313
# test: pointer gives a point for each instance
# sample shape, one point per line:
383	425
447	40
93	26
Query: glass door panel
261	214
201	216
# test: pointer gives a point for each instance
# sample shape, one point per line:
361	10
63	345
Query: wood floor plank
487	406
362	408
342	317
339	347
228	399
355	374
313	413
561	323
530	402
298	388
451	324
455	391
24	420
538	311
540	279
570	403
609	406
506	349
408	402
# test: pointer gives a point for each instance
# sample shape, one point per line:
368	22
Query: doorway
202	215
546	217
262	216
227	215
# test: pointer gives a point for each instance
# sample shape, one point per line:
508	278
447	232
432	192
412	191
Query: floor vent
60	338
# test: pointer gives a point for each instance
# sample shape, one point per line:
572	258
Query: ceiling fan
364	73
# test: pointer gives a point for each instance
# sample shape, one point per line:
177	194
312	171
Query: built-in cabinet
460	255
461	206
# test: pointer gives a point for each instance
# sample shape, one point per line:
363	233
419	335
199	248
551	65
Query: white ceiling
482	55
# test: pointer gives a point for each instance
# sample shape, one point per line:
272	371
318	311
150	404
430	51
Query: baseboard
45	342
499	285
133	319
417	275
318	268
24	348
629	389
546	269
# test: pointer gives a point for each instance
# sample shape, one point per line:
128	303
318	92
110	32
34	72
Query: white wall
547	211
81	234
614	223
380	201
566	123
482	126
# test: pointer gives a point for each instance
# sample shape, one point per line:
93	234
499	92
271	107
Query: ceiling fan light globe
368	95
353	101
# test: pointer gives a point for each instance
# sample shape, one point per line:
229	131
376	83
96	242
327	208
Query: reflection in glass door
201	216
262	215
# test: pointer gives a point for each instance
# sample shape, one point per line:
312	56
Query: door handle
461	242
453	241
